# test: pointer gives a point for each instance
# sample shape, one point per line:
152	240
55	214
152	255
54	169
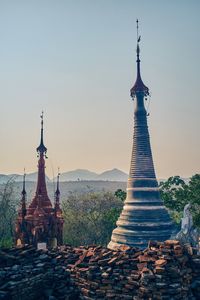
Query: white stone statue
188	234
187	221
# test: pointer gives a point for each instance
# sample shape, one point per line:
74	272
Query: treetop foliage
176	193
90	217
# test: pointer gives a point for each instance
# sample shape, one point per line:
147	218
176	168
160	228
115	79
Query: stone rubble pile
33	274
195	273
162	271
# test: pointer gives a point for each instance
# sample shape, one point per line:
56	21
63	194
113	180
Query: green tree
90	217
8	206
120	194
176	193
194	197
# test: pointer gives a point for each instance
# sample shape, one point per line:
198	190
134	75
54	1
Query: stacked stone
161	271
195	284
31	274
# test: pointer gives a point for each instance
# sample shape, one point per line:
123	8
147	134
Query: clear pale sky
76	61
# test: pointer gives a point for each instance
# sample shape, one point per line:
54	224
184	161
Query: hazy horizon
76	61
52	175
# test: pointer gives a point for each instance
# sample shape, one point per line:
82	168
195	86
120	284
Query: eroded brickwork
162	271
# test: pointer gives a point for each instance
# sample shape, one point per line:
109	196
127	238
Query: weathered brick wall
163	271
34	275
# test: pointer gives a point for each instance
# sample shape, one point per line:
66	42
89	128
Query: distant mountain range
81	174
75	175
19	178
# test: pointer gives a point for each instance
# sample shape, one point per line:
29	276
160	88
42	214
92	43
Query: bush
176	193
8	214
90	218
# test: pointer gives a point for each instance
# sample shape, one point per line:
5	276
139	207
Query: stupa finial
57	193
139	86
24	183
42	149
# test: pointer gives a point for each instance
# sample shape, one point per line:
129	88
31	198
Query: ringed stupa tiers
144	216
40	223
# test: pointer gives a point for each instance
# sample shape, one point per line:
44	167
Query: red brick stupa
40	223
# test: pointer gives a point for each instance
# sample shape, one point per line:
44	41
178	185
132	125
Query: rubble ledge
162	271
